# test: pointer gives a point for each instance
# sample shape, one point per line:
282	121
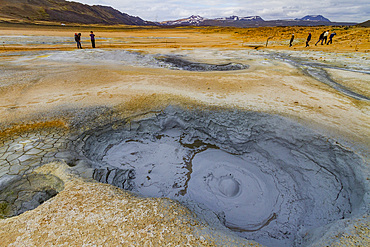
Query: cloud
159	10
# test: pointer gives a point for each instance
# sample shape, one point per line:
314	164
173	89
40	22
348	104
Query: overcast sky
161	10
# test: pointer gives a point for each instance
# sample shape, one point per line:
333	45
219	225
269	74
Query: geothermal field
184	137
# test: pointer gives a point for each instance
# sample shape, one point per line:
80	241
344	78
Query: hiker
92	36
78	40
331	38
291	40
325	38
308	39
321	37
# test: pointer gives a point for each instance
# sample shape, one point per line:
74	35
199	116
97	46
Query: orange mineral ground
51	91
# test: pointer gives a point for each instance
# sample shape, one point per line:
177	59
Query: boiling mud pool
265	177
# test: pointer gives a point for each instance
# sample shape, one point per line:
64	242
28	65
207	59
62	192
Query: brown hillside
365	24
63	11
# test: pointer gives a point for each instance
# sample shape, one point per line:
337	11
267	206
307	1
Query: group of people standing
78	39
323	38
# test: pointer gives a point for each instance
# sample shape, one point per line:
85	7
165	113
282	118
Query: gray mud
181	63
265	177
27	193
317	71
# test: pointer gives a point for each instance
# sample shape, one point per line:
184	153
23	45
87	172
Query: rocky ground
52	94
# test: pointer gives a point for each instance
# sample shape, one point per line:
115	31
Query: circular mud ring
235	187
266	177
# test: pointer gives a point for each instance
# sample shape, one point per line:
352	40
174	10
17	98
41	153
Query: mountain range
72	12
253	21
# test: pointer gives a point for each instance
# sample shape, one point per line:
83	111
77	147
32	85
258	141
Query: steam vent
183	147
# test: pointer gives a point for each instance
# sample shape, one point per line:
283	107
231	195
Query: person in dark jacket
325	37
92	36
291	40
331	38
308	39
78	40
321	38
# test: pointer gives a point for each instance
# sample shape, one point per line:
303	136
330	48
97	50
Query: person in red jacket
78	40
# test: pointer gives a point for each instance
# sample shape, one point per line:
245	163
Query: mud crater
267	178
27	193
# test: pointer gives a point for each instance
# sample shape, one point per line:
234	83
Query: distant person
78	40
308	39
321	37
92	36
291	40
331	38
325	38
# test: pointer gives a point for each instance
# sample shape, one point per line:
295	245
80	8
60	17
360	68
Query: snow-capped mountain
192	20
251	18
314	18
252	21
237	18
196	20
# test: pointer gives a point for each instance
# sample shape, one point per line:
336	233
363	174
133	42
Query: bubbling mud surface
265	177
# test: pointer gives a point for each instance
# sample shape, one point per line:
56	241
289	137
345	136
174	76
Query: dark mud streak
180	63
237	229
316	71
197	146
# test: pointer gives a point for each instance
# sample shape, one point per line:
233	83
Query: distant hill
253	21
365	24
64	11
314	18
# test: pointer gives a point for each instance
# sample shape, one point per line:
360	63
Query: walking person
308	39
291	40
325	37
92	36
331	38
321	37
78	40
